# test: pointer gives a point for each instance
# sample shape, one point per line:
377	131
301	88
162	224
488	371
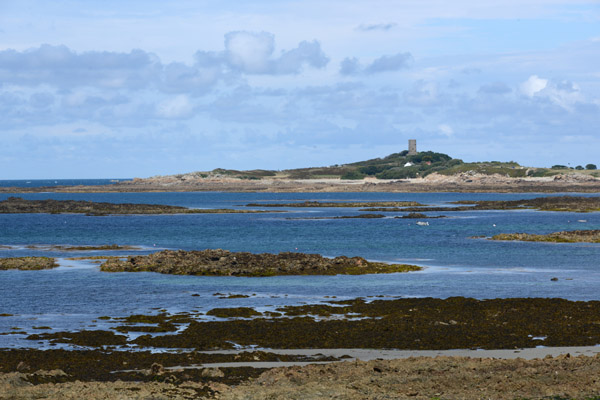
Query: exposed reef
138	366
434	324
415	215
453	323
339	204
586	236
17	205
364	216
411	215
559	203
225	263
109	247
425	324
27	263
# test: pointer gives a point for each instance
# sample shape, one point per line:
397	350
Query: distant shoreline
437	183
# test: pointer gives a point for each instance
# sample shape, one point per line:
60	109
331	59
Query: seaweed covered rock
585	236
27	263
18	205
222	262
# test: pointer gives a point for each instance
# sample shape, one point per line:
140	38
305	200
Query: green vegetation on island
400	165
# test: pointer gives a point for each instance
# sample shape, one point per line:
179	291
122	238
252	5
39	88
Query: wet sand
391	354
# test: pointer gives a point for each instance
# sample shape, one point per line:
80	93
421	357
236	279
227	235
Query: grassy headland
397	172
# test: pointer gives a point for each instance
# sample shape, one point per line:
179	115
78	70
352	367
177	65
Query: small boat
421	223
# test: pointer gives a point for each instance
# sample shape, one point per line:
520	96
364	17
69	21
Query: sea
457	257
24	183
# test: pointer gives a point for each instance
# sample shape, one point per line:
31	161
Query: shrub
352	175
399	173
372	169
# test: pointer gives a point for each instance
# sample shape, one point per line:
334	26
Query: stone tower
412	147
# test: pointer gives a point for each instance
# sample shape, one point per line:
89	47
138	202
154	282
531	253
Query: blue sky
139	88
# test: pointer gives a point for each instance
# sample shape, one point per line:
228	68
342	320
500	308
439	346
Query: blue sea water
24	183
74	295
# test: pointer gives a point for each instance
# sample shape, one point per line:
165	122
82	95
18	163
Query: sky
138	88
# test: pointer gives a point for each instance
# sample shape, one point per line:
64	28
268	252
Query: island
554	203
226	263
27	263
579	236
17	205
425	171
329	204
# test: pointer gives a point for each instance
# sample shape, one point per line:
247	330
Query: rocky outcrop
340	204
558	203
225	263
429	378
586	236
17	205
420	378
27	263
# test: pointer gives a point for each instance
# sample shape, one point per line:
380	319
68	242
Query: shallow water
72	296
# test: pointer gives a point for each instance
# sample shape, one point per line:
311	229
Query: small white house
409	164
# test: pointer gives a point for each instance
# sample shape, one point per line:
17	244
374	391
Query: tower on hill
412	147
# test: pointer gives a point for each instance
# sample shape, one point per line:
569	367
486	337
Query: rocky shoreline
415	324
114	372
467	182
422	378
225	263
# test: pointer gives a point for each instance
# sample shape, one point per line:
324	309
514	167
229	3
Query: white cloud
249	52
565	94
533	85
446	130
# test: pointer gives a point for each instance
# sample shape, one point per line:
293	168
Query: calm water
56	182
72	296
